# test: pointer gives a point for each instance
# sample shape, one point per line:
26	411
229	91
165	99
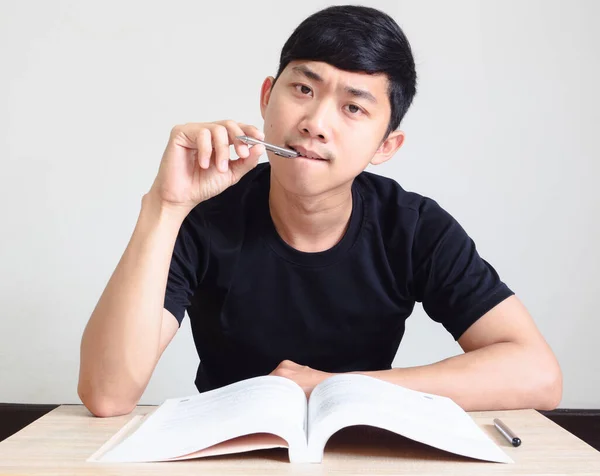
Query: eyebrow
357	93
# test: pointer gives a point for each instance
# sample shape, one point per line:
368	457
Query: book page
354	399
182	426
241	444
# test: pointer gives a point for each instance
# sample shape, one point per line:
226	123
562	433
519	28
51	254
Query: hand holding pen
196	164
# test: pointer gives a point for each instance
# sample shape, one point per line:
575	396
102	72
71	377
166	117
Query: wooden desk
61	441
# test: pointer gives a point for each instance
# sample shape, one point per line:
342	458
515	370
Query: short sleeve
454	283
188	264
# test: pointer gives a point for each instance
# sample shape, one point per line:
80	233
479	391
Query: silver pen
273	148
506	432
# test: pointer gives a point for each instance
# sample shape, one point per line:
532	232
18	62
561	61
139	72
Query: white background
502	134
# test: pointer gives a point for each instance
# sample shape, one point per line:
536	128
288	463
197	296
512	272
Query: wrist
158	209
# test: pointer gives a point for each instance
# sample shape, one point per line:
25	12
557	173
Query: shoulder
399	211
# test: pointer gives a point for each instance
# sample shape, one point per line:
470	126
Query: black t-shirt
254	301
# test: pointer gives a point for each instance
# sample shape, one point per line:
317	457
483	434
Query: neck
310	224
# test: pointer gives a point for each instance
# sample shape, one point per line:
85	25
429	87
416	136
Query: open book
271	411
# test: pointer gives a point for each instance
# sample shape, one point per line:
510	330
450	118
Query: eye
303	89
354	109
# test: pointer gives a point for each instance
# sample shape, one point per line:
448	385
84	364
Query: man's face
335	119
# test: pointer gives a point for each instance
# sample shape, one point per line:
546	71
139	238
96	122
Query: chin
300	177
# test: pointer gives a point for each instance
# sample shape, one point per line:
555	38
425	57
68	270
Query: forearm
120	344
504	375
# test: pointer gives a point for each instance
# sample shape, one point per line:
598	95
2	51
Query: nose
315	124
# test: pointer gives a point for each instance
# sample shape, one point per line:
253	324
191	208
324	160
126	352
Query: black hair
358	39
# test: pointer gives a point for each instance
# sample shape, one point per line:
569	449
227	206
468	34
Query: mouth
307	154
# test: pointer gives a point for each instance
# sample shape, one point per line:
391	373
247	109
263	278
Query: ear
388	147
265	94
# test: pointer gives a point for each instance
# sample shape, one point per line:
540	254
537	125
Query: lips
307	153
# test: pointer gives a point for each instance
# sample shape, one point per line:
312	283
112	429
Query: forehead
376	84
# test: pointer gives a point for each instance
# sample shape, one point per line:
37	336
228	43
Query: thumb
242	166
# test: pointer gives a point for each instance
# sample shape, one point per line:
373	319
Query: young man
310	266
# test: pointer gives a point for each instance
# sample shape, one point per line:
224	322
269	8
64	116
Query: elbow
104	407
550	387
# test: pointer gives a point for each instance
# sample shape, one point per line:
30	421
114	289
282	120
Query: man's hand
303	375
196	164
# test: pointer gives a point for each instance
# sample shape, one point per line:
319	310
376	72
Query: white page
354	399
180	426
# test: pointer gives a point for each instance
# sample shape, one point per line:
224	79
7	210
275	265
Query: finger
234	130
252	131
194	136
220	139
255	132
204	144
241	167
255	152
251	161
212	161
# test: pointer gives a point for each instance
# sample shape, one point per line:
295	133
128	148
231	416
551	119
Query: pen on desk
507	433
273	148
